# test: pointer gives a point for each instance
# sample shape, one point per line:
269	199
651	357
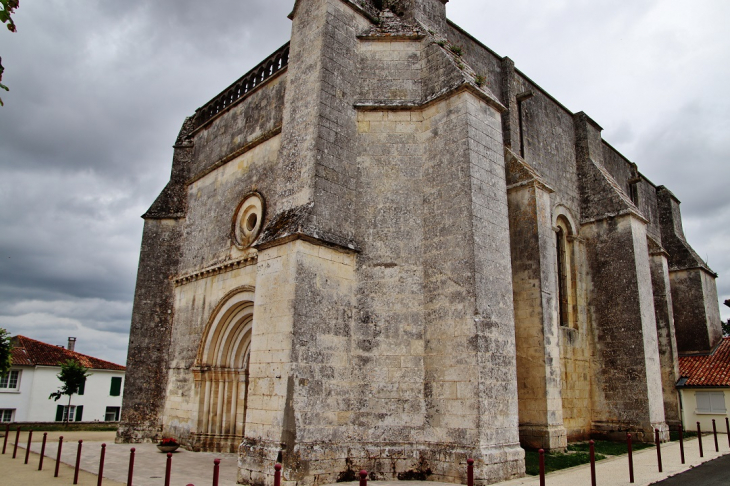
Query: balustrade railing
255	77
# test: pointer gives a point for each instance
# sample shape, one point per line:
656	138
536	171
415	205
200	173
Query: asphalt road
712	473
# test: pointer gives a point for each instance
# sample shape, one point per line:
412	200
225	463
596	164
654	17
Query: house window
10	381
116	388
112	414
82	387
711	402
71	413
6	415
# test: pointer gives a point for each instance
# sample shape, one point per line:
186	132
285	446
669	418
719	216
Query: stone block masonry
386	248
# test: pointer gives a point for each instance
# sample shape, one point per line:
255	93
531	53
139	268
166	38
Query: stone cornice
218	269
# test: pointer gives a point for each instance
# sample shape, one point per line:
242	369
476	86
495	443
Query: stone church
387	248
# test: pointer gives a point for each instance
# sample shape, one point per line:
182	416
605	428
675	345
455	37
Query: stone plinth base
317	464
550	438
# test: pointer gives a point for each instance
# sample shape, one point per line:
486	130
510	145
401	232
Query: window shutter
82	387
703	401
116	386
59	413
79	412
717	400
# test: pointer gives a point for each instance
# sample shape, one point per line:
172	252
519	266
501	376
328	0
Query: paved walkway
615	471
149	465
197	468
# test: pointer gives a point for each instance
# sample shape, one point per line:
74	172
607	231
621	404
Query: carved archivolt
221	373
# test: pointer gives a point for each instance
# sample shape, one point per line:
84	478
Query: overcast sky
99	90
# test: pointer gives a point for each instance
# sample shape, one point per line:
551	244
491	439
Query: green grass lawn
555	461
674	435
608	448
577	454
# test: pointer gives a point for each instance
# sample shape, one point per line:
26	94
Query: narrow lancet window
562	279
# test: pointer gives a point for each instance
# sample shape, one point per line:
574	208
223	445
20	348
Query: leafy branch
5	352
8	9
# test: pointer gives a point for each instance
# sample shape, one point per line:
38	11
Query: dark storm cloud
98	93
99	90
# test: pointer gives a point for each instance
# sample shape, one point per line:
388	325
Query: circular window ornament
247	221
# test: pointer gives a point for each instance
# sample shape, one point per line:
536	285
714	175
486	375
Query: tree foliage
726	328
8	9
72	376
5	349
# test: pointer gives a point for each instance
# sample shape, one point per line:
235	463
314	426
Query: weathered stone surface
443	262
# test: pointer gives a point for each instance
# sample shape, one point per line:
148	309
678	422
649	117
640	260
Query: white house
33	377
704	388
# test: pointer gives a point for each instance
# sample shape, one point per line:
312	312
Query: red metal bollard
168	469
363	478
681	442
216	467
277	474
658	449
58	456
470	472
593	462
130	471
17	439
714	433
7	433
27	449
43	451
78	463
699	439
542	466
101	464
631	458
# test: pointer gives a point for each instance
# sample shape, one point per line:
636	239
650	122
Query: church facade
387	248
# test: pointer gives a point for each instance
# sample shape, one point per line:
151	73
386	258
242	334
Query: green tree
72	376
8	9
726	328
5	349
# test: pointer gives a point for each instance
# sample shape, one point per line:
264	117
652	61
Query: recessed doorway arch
221	373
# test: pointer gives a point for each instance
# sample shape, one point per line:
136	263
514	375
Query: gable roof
712	370
29	352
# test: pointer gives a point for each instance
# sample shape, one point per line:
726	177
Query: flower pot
168	448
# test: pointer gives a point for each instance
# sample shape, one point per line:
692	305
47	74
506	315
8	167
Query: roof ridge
87	361
708	370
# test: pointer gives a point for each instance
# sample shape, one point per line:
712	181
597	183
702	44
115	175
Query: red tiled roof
712	370
29	352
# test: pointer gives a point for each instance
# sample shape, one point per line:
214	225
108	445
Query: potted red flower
168	444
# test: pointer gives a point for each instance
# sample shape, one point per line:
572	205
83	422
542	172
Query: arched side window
565	272
221	374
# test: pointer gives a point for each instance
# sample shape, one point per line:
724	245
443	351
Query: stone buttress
395	326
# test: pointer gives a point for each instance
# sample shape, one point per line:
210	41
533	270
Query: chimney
71	343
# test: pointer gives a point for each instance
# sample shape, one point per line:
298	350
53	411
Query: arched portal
221	374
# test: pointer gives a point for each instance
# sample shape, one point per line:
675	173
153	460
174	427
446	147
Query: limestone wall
249	121
214	199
